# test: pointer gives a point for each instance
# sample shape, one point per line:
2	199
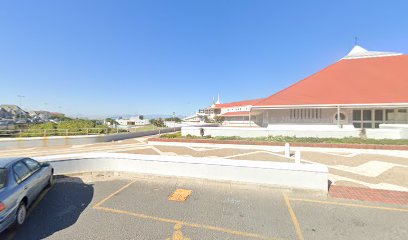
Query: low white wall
387	133
288	175
265	132
29	142
326	131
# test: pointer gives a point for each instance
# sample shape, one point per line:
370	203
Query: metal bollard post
287	150
297	157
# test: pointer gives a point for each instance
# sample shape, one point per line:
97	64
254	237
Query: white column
297	157
338	116
267	118
249	118
287	150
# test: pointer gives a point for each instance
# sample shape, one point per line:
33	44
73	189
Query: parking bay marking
194	225
178	235
113	194
174	221
293	217
349	204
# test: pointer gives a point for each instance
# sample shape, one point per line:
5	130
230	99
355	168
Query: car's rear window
2	178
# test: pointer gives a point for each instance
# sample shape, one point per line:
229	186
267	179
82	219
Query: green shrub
77	126
172	135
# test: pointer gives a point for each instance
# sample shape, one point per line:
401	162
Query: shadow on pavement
59	209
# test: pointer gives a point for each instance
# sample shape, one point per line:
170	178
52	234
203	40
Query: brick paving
367	194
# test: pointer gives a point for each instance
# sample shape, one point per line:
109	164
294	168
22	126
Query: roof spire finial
355	41
218	99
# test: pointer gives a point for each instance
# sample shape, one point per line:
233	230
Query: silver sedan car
21	181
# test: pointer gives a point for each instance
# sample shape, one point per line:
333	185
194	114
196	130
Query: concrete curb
279	174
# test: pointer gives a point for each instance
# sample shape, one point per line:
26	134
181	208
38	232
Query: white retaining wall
29	142
287	175
296	131
265	132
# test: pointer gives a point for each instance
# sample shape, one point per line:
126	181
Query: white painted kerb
290	175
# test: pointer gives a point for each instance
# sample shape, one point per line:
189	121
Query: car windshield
2	178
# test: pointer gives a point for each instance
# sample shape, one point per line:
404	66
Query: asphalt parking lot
138	207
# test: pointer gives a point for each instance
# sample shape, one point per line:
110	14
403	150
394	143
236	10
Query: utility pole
174	121
46	112
20	104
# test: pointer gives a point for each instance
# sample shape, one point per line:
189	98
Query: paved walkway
387	170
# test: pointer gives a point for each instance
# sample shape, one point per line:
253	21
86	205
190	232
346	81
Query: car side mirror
45	164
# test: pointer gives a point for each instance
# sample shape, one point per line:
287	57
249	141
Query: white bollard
287	150
297	157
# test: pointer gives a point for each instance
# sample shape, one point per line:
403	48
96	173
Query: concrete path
386	170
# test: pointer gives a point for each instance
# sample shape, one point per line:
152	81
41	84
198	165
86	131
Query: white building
236	113
232	114
363	90
133	121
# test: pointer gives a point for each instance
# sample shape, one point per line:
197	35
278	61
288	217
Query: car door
25	184
37	174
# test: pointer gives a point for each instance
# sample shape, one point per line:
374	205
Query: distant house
233	113
40	115
133	121
5	114
11	111
193	119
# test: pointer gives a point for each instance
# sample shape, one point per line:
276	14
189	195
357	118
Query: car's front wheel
51	179
21	214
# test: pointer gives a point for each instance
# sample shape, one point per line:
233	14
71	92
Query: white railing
56	132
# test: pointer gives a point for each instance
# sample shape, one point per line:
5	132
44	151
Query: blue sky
100	58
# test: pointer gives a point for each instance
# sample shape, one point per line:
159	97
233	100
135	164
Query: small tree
141	117
219	119
175	119
111	121
205	119
157	122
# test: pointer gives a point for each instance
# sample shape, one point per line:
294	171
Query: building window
378	115
356	115
342	117
366	115
372	118
306	113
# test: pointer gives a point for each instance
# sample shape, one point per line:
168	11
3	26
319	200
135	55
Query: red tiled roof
237	104
239	113
349	81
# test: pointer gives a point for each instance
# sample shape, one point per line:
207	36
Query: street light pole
174	121
20	97
46	112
